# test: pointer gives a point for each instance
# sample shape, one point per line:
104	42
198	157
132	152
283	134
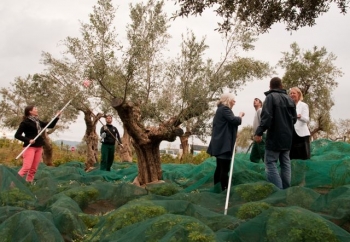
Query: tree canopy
156	96
314	72
33	90
261	14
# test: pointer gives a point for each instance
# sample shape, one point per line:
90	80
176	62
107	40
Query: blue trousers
281	180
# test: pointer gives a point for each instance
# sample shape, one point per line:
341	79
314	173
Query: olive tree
261	14
35	90
155	96
160	98
91	57
314	72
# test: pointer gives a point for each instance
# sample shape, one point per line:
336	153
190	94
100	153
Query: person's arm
19	132
103	133
258	114
304	114
266	117
118	136
231	118
52	124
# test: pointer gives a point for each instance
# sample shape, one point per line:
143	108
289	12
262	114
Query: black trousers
300	147
221	172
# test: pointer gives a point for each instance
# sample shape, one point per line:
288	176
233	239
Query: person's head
257	103
296	94
276	83
30	110
109	118
227	99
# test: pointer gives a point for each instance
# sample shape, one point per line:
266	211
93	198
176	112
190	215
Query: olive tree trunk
184	144
125	151
145	140
47	149
91	139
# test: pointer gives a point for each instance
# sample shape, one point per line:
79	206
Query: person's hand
104	127
241	114
103	136
32	141
257	138
58	114
299	116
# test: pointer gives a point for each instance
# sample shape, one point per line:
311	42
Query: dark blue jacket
224	133
278	116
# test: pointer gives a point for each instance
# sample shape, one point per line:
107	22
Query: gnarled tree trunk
126	150
146	140
184	143
47	149
149	165
91	139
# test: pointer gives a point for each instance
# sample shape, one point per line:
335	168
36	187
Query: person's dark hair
276	83
258	100
27	111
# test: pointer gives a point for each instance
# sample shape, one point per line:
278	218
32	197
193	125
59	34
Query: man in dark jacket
278	116
109	134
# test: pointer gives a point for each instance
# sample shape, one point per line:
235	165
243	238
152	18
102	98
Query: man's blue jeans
282	180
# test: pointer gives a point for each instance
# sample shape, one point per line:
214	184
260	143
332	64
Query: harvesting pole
230	179
86	83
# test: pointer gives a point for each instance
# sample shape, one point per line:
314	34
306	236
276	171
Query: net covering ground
68	204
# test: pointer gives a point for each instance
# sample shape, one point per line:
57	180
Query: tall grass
9	150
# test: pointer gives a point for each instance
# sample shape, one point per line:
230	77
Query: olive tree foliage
152	98
87	58
162	97
245	137
314	72
261	14
194	79
34	90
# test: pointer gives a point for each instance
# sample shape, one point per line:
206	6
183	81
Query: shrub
252	209
163	189
132	214
254	191
82	195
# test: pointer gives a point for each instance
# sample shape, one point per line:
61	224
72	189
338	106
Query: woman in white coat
301	137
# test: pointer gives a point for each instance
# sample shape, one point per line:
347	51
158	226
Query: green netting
68	204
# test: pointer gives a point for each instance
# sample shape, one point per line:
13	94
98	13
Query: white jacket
300	126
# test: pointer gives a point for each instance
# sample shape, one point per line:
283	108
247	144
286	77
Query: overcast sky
29	27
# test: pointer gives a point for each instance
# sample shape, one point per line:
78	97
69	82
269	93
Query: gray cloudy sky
29	27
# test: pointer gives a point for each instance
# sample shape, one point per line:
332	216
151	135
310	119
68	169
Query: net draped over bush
68	204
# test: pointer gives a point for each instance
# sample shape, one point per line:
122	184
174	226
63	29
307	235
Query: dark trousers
221	172
258	151
107	157
300	147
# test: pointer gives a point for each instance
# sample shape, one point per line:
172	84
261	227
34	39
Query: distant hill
67	142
